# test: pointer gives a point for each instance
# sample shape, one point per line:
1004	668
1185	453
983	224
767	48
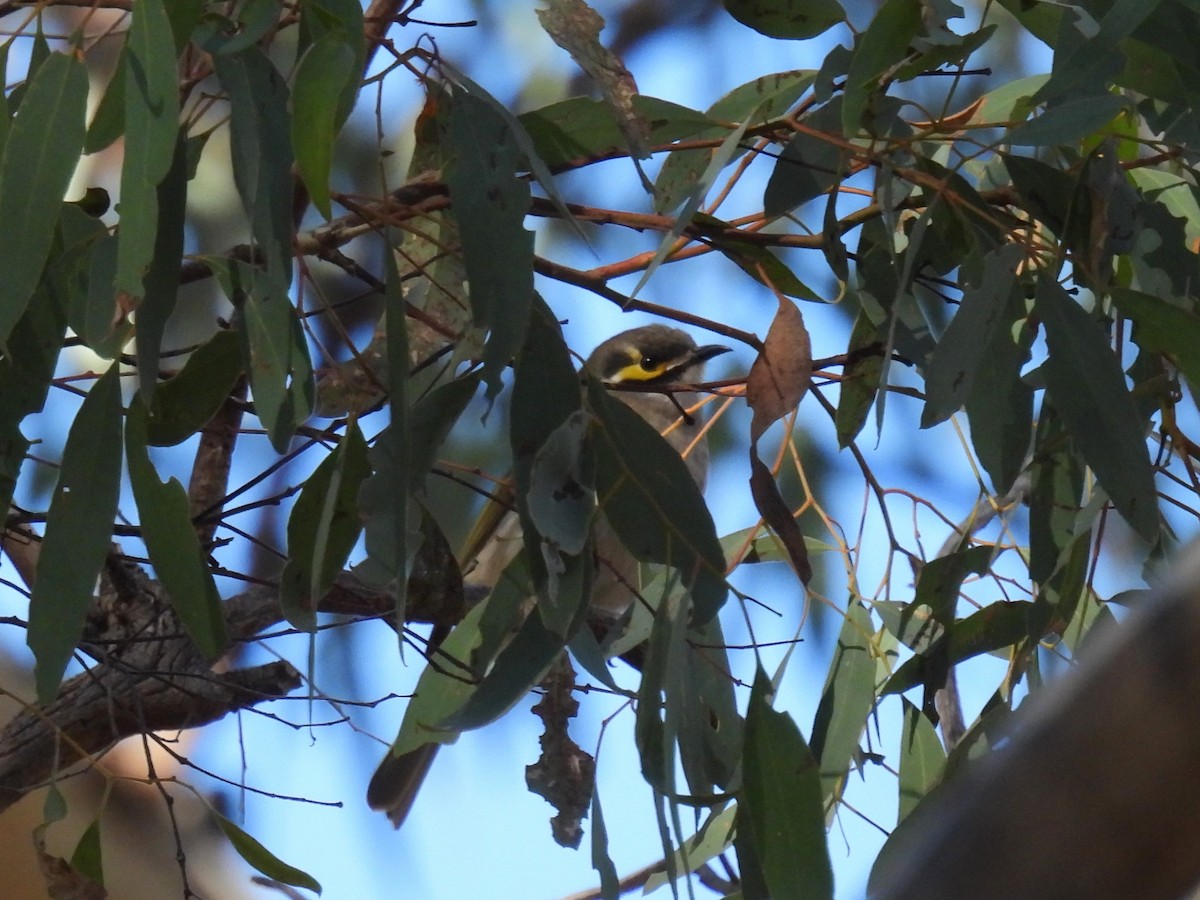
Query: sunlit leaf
922	759
1162	327
846	700
262	859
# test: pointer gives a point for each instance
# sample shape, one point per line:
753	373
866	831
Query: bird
634	363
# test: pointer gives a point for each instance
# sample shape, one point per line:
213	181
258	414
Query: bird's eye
649	363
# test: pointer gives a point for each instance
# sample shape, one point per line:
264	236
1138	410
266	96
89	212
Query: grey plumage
647	357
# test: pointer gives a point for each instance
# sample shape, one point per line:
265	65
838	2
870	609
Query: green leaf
88	858
1068	122
795	20
108	121
1083	60
1000	624
610	882
582	128
781	803
40	157
656	728
490	204
720	159
151	126
860	379
885	42
521	665
319	18
1173	193
397	443
561	499
162	277
809	164
400	470
712	838
25	374
1000	405
847	699
78	530
261	151
92	312
545	394
222	37
940	580
652	502
759	262
699	690
765	98
275	352
1000	105
952	368
1162	327
186	401
442	688
1088	388
922	759
321	79
1056	493
172	543
323	528
5	111
262	859
183	15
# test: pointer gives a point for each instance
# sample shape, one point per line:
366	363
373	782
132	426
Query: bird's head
651	355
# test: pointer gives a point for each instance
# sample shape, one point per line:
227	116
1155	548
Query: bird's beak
707	352
697	357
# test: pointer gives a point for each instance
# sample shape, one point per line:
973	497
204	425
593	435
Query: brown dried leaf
62	881
776	514
565	773
955	121
780	376
575	27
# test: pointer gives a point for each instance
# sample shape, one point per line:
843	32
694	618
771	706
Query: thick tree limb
1095	793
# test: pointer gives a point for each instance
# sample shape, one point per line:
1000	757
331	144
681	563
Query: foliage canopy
1016	256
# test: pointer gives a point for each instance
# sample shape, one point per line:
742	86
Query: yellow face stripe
637	372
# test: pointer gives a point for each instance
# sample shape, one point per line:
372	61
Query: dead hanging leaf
777	381
575	27
780	376
778	517
565	773
63	881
